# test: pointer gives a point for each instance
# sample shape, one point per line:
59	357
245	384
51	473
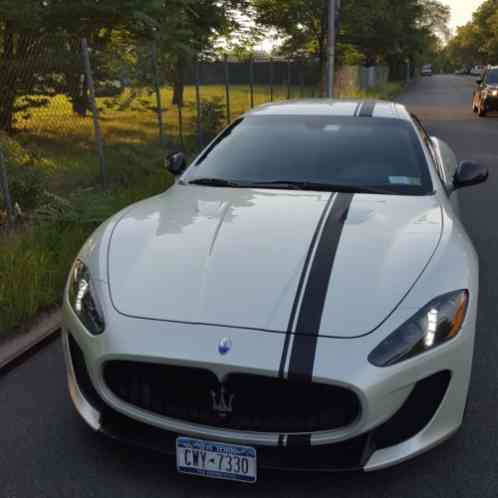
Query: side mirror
470	173
176	163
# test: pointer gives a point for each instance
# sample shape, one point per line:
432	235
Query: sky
461	10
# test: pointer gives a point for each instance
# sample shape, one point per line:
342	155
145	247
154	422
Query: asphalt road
47	452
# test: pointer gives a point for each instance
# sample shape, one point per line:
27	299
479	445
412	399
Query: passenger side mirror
470	173
176	163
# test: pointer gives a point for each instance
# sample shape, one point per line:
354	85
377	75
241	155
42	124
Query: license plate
216	460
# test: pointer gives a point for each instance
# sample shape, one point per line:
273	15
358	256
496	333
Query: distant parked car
426	70
486	94
477	70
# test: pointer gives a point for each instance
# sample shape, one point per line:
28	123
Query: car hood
234	257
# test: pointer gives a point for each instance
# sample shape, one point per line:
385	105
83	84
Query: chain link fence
60	91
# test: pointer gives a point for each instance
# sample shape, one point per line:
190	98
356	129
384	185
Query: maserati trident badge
225	346
222	401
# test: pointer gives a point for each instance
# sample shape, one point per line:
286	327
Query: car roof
330	107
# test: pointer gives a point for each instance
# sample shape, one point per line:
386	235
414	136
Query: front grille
260	404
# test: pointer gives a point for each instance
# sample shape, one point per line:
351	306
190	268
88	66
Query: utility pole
330	80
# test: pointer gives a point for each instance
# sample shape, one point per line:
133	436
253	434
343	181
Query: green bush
26	185
27	174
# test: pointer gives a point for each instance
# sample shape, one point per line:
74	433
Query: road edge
16	349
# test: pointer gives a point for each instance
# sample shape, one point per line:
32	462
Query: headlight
83	302
433	325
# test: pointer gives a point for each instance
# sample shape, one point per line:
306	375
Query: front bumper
351	454
432	387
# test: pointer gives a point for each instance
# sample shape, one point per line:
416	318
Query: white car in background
304	297
426	70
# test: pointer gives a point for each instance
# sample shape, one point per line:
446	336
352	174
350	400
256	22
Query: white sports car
304	297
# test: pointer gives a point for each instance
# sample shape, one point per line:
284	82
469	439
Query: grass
35	259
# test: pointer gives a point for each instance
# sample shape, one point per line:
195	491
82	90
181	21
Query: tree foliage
374	31
40	44
477	41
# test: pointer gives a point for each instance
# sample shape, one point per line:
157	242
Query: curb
20	346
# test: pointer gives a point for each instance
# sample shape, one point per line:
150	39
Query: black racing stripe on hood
303	352
300	285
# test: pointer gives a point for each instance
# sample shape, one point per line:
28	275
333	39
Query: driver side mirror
470	173
176	163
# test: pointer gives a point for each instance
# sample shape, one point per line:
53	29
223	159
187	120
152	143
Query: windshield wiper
326	187
215	182
292	185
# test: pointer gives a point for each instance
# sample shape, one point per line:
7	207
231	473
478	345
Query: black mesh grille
260	404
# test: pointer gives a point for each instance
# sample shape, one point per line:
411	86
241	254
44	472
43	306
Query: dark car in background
485	97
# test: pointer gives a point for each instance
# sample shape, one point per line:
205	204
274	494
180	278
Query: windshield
316	151
492	77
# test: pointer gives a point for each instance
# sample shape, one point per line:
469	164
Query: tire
481	112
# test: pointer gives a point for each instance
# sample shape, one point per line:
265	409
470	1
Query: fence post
289	82
251	80
4	185
200	140
227	89
303	66
95	112
157	85
271	79
180	124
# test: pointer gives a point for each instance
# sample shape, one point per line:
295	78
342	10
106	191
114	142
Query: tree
382	31
190	27
477	41
39	47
